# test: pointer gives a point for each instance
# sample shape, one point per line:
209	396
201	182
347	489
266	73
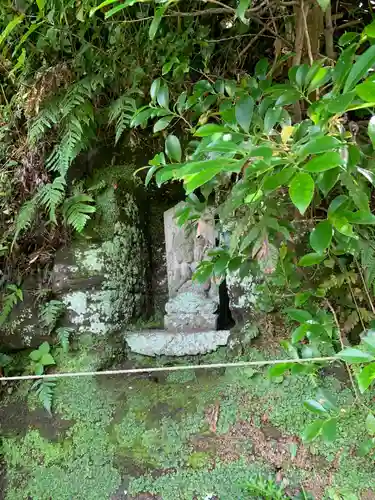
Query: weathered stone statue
192	310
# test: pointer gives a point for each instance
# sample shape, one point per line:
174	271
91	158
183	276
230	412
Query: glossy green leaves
301	191
321	236
244	112
324	162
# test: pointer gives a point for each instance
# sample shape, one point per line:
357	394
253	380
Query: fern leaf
9	301
46	119
44	390
25	217
63	337
122	111
76	210
50	313
51	195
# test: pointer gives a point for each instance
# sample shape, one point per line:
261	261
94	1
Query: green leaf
209	129
276	180
301	75
301	191
243	5
162	123
101	5
320	145
35	355
234	264
301	298
365	447
279	369
326	399
370	424
272	116
311	259
40	4
327	180
347	38
44	348
154	89
365	377
312	431
173	148
150	173
371	129
197	180
369	340
288	97
370	30
244	112
299	333
321	77
203	272
299	315
326	161
315	407
321	236
363	64
324	4
329	430
38	369
159	13
117	8
352	355
162	96
340	103
220	264
261	67
10	27
366	90
47	360
360	217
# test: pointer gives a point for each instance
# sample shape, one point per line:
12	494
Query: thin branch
343	347
348	24
307	36
251	43
216	2
365	286
329	34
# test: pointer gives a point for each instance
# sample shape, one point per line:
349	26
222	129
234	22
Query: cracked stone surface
161	342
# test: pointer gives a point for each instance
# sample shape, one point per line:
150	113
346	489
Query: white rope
131	371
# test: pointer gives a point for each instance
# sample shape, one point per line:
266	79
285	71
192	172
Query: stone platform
164	343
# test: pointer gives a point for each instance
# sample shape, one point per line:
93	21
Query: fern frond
63	337
81	92
122	111
25	217
50	313
368	261
9	301
46	119
51	195
76	210
44	390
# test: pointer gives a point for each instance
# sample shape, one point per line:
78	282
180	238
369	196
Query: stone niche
191	313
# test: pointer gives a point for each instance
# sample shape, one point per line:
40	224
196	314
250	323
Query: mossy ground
183	435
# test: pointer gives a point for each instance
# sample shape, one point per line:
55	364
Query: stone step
164	343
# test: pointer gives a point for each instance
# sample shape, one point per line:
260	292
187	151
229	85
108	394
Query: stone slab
161	342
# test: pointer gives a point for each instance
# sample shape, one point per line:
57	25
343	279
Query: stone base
163	343
190	311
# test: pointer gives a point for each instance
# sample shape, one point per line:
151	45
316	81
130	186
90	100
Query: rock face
103	284
100	278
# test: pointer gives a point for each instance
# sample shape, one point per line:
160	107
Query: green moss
225	480
199	460
122	428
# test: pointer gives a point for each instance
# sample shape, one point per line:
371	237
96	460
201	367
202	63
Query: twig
216	2
251	42
307	36
343	347
348	24
365	286
329	34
